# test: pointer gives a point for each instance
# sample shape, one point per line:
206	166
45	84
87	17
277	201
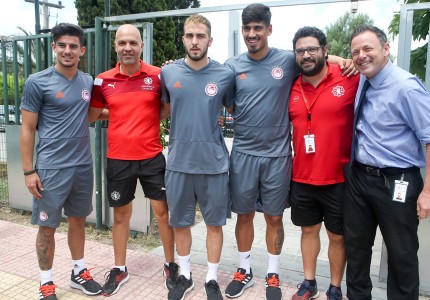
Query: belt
380	172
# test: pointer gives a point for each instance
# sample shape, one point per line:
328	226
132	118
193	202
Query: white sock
212	272
78	266
45	276
245	261
184	265
273	263
122	268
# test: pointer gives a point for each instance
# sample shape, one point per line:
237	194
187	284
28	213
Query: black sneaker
181	287
273	292
240	282
85	282
170	271
334	293
212	290
47	291
114	279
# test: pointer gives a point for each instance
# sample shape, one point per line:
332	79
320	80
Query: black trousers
368	204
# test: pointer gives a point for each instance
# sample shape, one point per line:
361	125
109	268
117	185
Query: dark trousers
368	204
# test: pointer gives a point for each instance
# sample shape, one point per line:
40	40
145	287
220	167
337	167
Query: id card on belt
400	189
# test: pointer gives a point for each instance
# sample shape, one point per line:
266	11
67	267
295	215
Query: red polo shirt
134	111
332	113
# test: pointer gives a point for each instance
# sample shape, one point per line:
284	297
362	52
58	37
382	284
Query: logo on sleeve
243	76
338	91
98	81
277	73
86	95
211	89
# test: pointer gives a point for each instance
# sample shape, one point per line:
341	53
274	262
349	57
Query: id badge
309	143
400	189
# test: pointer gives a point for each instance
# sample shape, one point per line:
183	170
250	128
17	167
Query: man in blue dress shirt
391	127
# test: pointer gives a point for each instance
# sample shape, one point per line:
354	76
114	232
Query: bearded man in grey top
195	89
260	162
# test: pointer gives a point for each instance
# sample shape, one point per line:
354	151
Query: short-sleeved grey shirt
62	107
196	144
262	91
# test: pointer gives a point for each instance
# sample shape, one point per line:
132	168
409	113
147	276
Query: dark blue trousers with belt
368	204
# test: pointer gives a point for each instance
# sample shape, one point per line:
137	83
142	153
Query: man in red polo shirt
131	92
322	112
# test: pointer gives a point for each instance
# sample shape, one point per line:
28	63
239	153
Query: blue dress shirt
395	120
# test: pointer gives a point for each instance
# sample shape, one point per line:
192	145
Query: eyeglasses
310	50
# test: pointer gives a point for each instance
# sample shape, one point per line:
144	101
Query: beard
197	57
319	65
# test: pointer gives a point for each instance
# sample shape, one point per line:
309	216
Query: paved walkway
19	274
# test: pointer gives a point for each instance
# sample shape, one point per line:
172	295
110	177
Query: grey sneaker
47	291
273	292
240	283
85	282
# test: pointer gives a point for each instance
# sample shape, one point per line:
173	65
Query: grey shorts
185	190
257	177
69	188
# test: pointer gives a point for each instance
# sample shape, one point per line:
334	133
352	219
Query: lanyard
310	105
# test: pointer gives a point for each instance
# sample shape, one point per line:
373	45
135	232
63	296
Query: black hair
256	12
312	32
67	29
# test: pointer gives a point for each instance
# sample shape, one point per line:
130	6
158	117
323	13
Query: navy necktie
357	115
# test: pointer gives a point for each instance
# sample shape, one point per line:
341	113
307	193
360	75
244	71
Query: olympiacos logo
86	95
277	73
43	216
211	89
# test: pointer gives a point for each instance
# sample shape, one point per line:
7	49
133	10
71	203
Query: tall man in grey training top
55	103
195	89
260	162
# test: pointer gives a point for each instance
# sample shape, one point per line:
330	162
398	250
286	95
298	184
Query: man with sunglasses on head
260	161
321	111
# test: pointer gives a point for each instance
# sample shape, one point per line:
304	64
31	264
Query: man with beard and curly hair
321	111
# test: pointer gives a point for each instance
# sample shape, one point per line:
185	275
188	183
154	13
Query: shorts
210	191
122	176
257	177
70	189
312	204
